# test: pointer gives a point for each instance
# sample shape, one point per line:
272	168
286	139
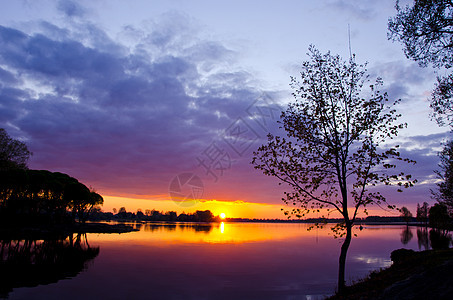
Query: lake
203	261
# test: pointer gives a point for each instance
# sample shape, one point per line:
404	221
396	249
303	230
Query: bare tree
331	156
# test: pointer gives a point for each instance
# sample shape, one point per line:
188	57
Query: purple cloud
122	118
126	117
402	79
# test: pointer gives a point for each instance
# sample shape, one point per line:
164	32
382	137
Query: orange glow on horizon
231	209
215	233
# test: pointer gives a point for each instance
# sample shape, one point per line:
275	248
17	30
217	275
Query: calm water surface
221	261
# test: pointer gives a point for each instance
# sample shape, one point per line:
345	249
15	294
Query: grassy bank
413	275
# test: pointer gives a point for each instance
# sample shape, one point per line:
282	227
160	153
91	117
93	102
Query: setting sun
222	216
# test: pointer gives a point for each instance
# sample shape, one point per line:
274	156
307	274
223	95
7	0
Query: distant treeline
370	219
153	215
207	216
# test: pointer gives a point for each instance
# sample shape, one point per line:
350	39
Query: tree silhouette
422	213
78	196
440	222
426	32
122	213
406	214
438	217
203	216
444	194
13	153
40	196
330	157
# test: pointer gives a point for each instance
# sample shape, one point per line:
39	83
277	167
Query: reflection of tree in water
35	262
205	228
423	239
435	238
170	227
156	227
406	235
151	227
136	226
440	239
197	227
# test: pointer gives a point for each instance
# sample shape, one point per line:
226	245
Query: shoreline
122	226
61	230
413	275
411	224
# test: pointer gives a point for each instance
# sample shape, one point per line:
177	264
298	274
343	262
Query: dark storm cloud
125	117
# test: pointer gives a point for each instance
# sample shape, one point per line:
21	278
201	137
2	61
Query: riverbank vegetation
43	197
413	275
40	203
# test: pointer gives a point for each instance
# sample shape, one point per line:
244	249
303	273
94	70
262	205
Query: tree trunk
342	260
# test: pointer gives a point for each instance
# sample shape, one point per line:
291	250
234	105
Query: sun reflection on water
227	233
213	233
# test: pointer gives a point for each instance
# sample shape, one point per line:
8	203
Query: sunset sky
131	96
